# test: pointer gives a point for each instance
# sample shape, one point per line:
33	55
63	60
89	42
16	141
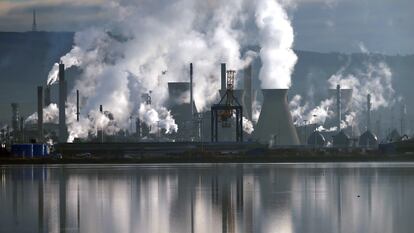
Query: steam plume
150	43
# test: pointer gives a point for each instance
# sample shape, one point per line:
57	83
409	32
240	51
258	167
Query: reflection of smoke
50	115
124	59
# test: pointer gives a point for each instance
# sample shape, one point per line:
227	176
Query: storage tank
341	139
275	120
368	139
316	139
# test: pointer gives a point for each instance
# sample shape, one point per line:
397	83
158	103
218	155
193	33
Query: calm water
360	197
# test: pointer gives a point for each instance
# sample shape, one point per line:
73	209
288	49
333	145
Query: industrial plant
228	125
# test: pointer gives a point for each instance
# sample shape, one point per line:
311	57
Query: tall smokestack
47	96
62	104
40	112
15	117
403	116
191	89
223	76
338	107
248	91
368	112
77	106
138	127
275	121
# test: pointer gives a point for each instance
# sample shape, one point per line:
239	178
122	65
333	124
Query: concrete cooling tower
275	121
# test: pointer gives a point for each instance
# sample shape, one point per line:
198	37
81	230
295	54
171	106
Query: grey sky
384	26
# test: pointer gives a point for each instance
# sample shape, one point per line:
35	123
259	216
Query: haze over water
351	197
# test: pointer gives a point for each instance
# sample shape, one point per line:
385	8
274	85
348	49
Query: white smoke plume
302	113
50	115
374	79
150	43
276	40
247	126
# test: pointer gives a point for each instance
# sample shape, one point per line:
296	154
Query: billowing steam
150	43
50	115
247	126
374	79
276	40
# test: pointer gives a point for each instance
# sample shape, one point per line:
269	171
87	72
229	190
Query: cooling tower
275	121
179	105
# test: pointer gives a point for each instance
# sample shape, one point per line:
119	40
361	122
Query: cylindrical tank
368	139
341	140
275	120
316	139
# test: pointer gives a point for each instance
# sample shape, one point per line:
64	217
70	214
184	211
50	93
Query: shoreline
209	159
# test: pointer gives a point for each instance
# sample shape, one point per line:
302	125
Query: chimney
15	117
275	121
368	112
403	116
223	76
40	112
247	100
338	107
77	106
47	96
138	127
191	89
62	104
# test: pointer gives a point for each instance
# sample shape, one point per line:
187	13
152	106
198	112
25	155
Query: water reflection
207	198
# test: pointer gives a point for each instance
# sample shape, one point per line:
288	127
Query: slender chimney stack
191	90
21	129
248	91
138	127
62	104
47	96
368	112
403	114
223	76
77	106
338	107
15	117
40	112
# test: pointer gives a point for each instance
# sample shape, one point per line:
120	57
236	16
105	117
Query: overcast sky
384	26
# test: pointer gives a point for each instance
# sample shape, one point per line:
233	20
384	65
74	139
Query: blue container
22	150
46	150
38	150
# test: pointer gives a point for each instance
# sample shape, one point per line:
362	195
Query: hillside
26	58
